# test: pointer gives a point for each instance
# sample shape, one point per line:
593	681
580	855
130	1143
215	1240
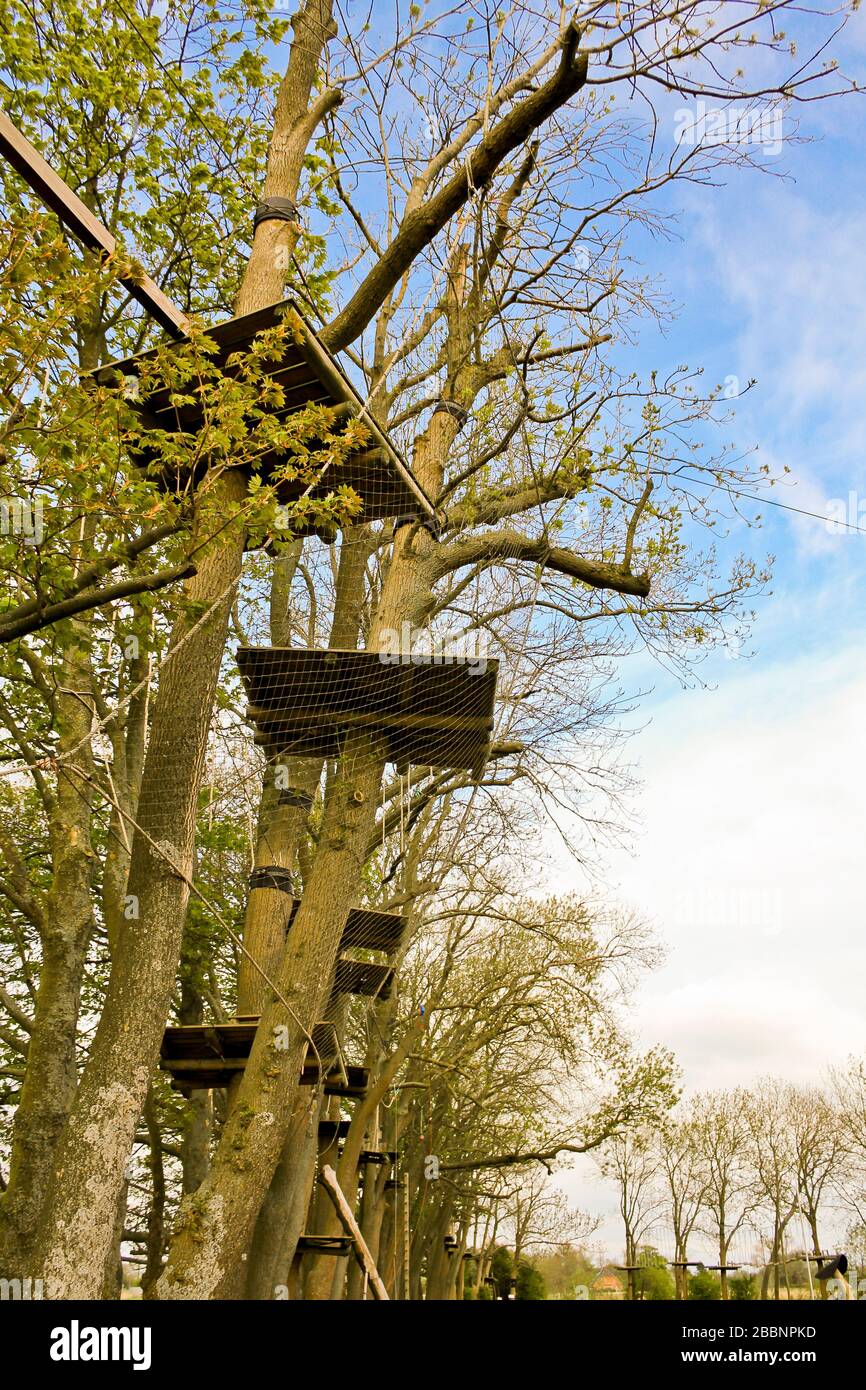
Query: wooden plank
58	196
336	388
353	1088
328	1179
332	1131
448	721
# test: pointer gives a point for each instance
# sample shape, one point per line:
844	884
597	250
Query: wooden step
363	977
192	1074
325	1245
195	1074
367	928
373	930
331	1131
354	1086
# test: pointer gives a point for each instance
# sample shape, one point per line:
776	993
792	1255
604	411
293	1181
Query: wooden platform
204	1057
354	1087
373	930
367	928
435	713
309	375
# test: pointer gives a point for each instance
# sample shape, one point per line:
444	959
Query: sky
748	854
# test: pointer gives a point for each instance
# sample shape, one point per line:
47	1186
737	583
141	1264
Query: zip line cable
771	502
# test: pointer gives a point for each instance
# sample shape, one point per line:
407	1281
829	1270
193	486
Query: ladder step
373	930
368	928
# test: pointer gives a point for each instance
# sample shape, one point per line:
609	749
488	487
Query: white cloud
734	1028
794	273
750	865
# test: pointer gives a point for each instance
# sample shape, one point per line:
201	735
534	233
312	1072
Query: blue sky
749	852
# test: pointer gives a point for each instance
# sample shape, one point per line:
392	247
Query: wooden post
328	1179
75	215
407	1243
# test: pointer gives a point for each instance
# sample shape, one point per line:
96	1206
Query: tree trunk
156	1217
438	1269
284	1209
48	1090
198	1118
228	1203
98	1138
320	1277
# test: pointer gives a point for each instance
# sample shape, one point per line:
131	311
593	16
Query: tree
530	1286
653	1282
568	1272
705	1287
849	1177
550	515
774	1161
819	1148
65	452
631	1161
684	1174
502	1271
729	1194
